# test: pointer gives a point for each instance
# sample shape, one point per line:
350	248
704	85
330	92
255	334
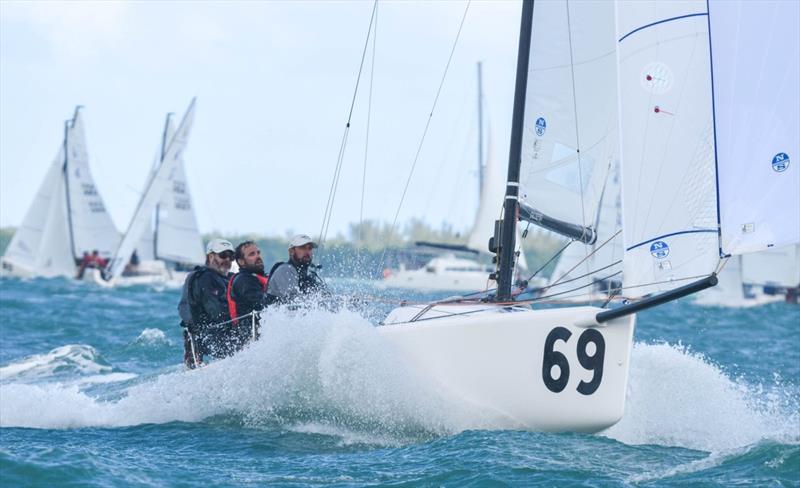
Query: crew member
296	279
246	292
203	307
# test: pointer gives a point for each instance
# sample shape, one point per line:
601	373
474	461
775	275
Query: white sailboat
685	205
462	272
67	217
163	231
773	274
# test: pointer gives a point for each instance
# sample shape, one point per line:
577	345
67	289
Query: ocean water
93	393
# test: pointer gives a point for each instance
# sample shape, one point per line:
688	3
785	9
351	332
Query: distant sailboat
67	217
452	272
163	227
774	273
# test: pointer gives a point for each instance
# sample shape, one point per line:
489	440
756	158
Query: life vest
187	306
264	280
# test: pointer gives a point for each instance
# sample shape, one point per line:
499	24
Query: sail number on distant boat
593	362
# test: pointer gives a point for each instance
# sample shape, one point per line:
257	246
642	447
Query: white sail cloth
670	161
158	182
92	227
570	134
66	218
172	234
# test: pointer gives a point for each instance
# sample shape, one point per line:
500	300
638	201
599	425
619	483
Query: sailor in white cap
203	304
295	278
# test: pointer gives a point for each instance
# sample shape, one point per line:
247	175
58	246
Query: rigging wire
577	131
597	248
425	131
340	159
366	142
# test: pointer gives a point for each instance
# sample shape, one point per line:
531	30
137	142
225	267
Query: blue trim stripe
661	22
670	235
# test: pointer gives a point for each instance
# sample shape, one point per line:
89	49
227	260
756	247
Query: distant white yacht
452	272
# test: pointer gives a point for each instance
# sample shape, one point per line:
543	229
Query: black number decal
555	358
592	363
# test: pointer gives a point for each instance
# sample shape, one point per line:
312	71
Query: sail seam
699	14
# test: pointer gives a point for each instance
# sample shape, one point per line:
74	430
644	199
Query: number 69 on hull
541	370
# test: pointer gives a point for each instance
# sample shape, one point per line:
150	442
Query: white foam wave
74	358
333	374
324	368
679	398
153	337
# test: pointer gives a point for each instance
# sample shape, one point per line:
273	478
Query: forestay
92	227
155	187
570	134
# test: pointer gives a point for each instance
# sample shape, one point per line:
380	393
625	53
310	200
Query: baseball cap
301	240
219	246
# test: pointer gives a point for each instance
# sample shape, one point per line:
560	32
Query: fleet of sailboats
68	220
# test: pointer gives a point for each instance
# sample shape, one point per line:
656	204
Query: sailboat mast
511	204
481	167
65	173
159	163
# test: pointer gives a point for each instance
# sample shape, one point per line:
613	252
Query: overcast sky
274	81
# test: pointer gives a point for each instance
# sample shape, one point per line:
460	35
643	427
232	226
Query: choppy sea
93	393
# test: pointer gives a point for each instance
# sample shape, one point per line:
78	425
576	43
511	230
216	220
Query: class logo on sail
780	162
541	126
659	249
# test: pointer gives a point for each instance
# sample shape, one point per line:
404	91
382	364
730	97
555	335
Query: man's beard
256	268
305	260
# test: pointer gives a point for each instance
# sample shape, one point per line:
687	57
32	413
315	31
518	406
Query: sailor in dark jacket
247	291
203	305
296	280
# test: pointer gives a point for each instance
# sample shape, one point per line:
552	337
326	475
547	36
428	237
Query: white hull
444	273
159	276
497	358
420	280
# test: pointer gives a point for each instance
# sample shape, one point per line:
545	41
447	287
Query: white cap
219	246
301	240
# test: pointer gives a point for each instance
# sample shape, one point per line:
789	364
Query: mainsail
570	131
92	227
158	182
678	222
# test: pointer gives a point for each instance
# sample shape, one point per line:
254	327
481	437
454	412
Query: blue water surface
92	393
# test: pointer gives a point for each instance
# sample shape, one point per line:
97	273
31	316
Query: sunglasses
226	255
